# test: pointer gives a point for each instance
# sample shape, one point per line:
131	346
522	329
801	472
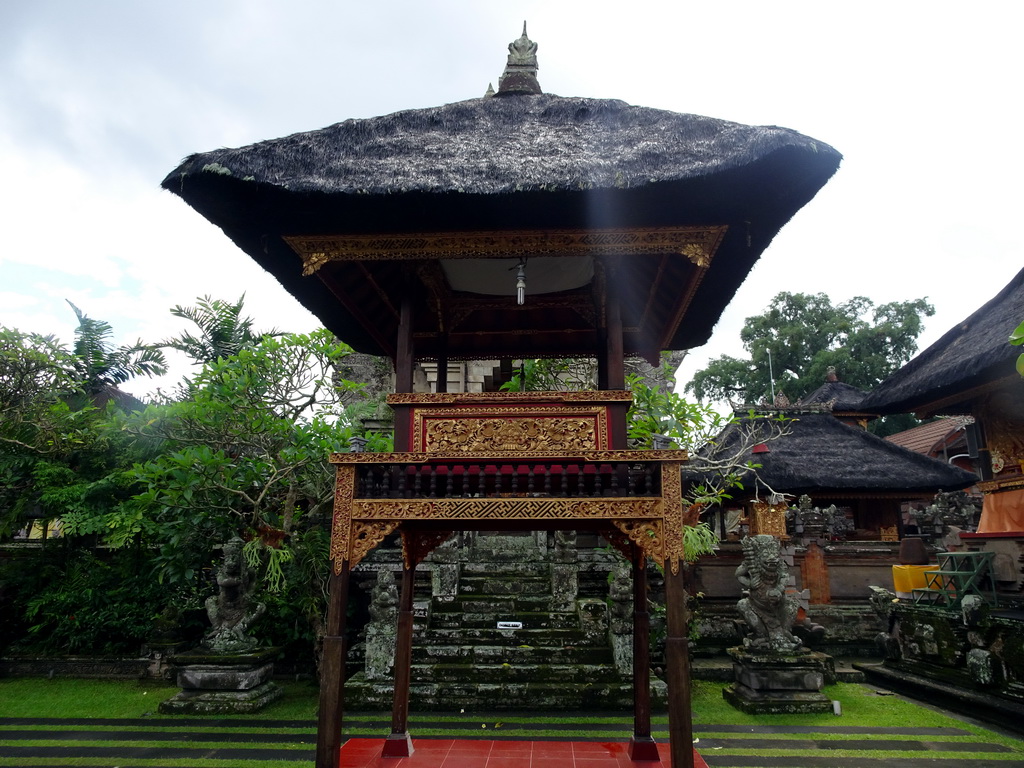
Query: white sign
510	625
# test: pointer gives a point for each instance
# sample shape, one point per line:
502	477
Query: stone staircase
560	657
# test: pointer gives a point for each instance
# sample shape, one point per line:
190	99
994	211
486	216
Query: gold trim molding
583	509
510	398
698	244
1001	484
677	456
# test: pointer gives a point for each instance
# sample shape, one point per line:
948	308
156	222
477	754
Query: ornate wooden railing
501	477
634	494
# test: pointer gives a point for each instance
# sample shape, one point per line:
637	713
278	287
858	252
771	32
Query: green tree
801	335
99	364
246	452
36	425
222	330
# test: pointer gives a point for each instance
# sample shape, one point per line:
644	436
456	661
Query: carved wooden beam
698	244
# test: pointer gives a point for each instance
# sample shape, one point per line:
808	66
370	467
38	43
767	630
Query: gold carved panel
672	494
769	519
482	435
649	535
501	429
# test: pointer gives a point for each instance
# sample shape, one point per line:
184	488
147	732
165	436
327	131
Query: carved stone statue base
771	683
223	684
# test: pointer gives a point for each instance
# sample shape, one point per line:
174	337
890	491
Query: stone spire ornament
520	75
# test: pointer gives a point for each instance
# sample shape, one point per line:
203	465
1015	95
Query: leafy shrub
84	605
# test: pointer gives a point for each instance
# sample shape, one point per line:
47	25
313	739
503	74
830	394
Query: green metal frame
959	574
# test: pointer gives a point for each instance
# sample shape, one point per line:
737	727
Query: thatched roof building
842	399
971	371
823	457
364	206
973	357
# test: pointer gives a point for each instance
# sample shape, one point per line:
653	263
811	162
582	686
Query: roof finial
520	75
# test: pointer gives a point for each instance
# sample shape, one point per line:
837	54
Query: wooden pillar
602	358
677	663
403	373
615	367
442	372
332	672
616	358
398	743
404	347
642	745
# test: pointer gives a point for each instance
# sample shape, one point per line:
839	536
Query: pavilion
516	225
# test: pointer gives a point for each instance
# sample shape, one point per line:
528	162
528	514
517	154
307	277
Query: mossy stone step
493	604
473	568
490	636
500	696
510	654
519	673
489	585
529	620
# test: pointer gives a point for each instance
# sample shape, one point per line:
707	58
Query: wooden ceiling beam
358	312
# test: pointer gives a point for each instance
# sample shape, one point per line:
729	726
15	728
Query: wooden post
399	743
614	343
642	745
602	358
677	662
404	352
615	371
442	372
332	672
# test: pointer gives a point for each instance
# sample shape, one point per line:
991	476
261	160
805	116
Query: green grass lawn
59	698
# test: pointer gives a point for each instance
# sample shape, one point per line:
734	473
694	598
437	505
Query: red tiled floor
448	753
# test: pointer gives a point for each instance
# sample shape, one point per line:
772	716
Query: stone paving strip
806	761
30	741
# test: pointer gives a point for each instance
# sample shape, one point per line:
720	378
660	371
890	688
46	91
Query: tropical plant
245	453
98	363
711	474
80	602
222	330
1017	339
553	375
55	459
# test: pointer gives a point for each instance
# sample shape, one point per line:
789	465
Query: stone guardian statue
229	610
766	607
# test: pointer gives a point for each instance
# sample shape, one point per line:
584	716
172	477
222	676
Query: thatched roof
821	454
519	162
840	396
493	146
973	353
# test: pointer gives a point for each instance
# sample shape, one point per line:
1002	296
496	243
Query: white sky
100	100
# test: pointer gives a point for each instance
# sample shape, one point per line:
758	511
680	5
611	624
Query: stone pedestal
771	683
223	683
